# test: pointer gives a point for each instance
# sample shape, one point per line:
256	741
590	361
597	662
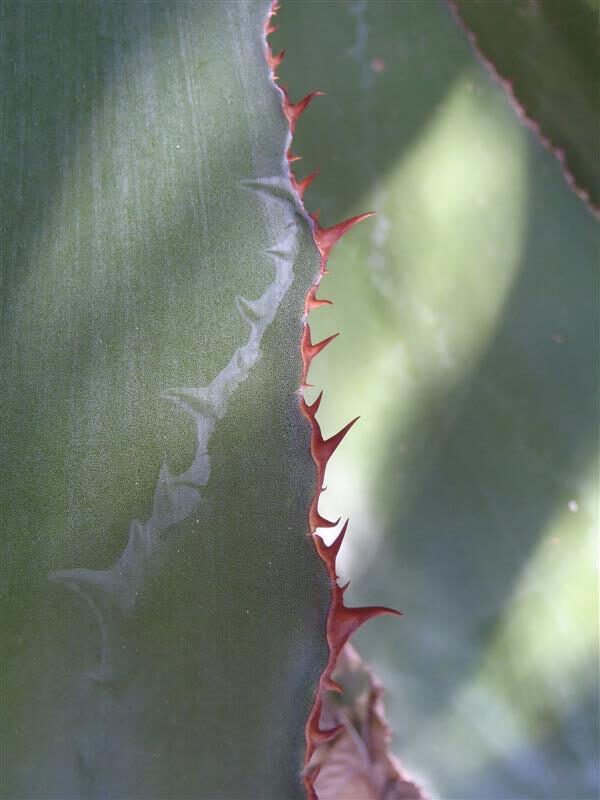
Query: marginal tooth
275	60
293	111
329	446
302	186
315	520
315	349
347	620
312	409
325	238
309	351
312	301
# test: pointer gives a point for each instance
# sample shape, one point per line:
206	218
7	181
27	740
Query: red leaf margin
342	621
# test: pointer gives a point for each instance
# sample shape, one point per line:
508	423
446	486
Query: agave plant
172	615
162	263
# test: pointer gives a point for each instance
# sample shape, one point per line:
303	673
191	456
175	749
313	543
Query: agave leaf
163	608
467	311
548	52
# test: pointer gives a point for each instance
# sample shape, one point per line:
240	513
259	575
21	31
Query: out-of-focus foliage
549	50
468	311
155	459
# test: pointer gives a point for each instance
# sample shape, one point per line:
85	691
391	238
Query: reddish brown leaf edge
342	621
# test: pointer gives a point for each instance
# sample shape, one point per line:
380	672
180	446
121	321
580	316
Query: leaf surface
163	608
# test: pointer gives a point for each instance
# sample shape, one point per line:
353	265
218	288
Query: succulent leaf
157	263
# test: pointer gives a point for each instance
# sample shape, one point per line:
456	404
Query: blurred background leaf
549	51
468	309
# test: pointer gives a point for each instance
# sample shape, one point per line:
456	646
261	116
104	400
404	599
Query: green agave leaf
163	608
468	312
549	52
